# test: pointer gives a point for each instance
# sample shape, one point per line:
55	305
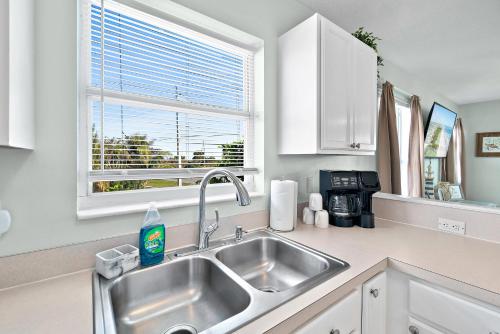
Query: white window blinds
165	104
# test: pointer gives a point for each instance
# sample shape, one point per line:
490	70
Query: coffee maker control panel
344	180
338	181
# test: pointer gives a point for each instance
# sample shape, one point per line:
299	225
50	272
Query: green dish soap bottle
152	238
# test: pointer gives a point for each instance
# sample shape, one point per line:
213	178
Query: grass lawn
161	183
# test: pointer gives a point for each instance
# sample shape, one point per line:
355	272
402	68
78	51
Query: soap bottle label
153	240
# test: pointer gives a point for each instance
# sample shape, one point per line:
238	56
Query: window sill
117	210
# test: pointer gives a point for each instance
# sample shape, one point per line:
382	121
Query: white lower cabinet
453	312
415	306
374	305
344	317
393	302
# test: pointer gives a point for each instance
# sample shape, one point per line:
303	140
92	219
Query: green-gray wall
482	174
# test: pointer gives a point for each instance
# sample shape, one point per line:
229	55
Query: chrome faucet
241	196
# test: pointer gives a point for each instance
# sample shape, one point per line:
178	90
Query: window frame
88	200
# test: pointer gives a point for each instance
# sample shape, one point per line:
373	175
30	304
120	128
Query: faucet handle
210	229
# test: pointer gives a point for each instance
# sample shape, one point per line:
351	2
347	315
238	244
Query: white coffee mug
308	216
321	219
315	202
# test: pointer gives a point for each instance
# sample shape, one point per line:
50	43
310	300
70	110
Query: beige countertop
65	303
56	305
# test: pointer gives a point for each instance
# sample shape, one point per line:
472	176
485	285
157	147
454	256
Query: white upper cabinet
365	96
328	91
336	83
17	70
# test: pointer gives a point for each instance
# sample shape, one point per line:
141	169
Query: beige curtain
455	160
444	169
388	146
416	150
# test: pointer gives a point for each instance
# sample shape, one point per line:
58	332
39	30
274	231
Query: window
403	120
160	104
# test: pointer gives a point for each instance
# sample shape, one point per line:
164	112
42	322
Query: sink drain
268	289
181	329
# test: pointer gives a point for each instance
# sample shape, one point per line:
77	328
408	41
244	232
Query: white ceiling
454	45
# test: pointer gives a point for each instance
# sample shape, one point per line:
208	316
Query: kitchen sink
216	290
272	265
194	293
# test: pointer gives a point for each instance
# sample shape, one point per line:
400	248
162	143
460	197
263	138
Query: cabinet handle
358	146
334	331
413	330
374	292
353	145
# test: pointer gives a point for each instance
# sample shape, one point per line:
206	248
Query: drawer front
451	312
417	327
343	317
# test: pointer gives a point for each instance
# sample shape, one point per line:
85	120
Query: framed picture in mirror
455	192
488	144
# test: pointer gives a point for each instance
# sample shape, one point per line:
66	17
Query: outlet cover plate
451	226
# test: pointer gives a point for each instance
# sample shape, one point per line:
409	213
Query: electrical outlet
451	226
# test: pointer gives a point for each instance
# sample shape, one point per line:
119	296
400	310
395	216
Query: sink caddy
116	261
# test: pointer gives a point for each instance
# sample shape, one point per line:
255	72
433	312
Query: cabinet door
453	312
336	86
343	317
374	305
365	98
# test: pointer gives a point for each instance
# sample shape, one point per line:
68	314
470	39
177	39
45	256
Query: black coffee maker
347	196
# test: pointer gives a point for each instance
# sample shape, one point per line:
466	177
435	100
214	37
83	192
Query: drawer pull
374	292
413	330
334	331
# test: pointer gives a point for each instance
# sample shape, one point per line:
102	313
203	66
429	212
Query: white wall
39	187
413	85
482	178
268	20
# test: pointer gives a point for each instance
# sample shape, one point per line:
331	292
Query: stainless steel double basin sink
217	290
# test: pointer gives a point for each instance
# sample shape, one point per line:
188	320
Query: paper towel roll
283	205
